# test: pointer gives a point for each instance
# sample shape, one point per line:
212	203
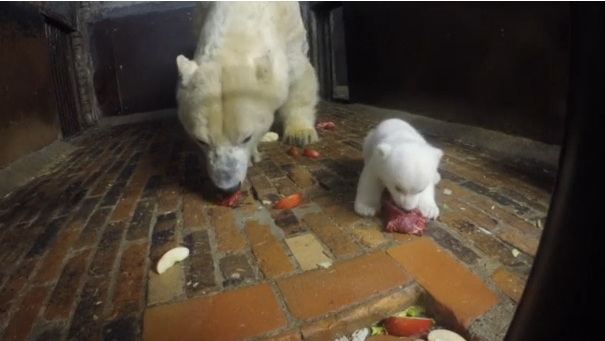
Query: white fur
397	157
250	62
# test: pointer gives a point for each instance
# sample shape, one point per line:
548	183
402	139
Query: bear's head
407	170
226	109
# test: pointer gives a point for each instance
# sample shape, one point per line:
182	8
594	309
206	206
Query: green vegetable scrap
377	330
413	311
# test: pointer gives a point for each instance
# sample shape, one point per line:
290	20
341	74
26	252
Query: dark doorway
134	59
65	93
340	86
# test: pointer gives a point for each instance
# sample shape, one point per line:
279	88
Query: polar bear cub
397	157
250	62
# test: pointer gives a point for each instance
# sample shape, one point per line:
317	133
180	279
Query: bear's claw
300	137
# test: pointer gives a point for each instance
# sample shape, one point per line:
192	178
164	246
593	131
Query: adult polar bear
250	62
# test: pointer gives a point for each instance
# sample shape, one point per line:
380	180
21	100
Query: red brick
106	253
316	293
347	322
228	236
13	287
126	205
129	294
199	266
169	199
445	279
486	242
91	232
525	243
66	289
163	237
88	317
509	283
51	265
20	325
268	251
339	243
193	211
343	213
234	315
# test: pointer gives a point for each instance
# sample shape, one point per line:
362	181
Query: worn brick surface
88	317
228	236
330	234
509	283
193	211
236	270
90	234
128	296
66	289
255	308
13	288
316	293
347	322
51	266
308	251
129	193
269	253
199	266
452	285
21	323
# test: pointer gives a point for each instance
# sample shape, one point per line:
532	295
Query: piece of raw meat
230	200
324	126
399	220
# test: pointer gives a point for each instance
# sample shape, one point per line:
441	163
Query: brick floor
78	244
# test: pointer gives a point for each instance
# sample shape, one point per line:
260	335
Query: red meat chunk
325	126
399	220
230	201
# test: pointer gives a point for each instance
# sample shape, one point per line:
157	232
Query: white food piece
444	335
325	265
360	335
172	257
269	137
447	191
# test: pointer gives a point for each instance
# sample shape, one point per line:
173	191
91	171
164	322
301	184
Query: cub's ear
186	68
383	150
264	66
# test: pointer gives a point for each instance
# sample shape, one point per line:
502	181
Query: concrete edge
139	117
503	145
27	168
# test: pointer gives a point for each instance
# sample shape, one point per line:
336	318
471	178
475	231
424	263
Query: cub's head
226	110
407	170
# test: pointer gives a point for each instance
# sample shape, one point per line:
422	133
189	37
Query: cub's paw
300	136
429	210
365	210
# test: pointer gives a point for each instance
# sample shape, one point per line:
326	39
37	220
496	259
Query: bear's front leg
369	192
426	203
298	113
255	155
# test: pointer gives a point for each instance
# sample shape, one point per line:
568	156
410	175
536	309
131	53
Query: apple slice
444	335
171	257
269	137
407	326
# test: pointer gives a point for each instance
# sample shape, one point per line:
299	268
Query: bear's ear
264	66
186	68
383	150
